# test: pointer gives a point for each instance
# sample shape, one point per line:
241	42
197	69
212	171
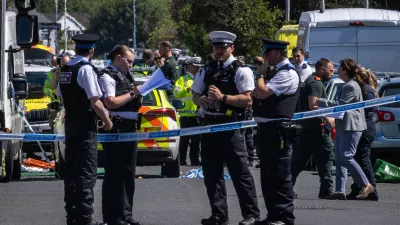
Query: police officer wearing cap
277	95
80	91
122	100
222	89
302	68
188	115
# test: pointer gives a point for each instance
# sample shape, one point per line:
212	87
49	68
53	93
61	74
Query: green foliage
249	20
113	21
164	30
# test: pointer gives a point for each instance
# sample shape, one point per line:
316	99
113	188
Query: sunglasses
157	58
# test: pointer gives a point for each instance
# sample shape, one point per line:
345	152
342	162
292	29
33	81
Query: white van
369	36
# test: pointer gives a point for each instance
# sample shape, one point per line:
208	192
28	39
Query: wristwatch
258	76
132	94
224	98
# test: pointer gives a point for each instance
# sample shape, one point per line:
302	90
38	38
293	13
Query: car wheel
60	162
171	169
7	161
16	175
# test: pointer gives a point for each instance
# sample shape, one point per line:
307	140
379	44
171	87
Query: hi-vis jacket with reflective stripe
181	93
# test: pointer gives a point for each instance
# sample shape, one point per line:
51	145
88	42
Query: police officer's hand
204	100
263	69
189	89
214	93
108	125
136	90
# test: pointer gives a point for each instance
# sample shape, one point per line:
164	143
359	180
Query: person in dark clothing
275	96
362	155
122	100
248	135
80	92
314	139
222	90
170	67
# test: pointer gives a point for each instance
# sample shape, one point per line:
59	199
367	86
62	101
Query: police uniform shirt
304	70
284	82
244	79
108	87
87	79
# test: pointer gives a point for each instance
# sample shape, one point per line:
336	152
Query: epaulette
304	66
317	78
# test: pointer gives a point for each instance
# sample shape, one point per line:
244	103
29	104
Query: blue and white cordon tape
204	129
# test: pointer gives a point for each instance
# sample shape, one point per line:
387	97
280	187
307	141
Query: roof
289	28
349	14
41	17
72	19
36	68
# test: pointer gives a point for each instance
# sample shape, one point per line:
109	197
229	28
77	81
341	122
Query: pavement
158	201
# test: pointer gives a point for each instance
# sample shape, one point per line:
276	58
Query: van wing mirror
307	54
27	30
25	5
20	85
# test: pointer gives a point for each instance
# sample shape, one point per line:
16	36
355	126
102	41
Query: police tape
138	136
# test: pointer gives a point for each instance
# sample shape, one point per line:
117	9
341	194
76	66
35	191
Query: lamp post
287	12
65	25
134	24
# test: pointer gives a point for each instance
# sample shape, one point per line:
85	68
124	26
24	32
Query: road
39	200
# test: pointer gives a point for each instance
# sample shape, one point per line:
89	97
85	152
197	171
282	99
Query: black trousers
313	142
362	157
119	178
80	176
250	143
194	141
229	147
276	177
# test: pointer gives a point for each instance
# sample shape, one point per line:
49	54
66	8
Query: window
394	90
149	99
36	78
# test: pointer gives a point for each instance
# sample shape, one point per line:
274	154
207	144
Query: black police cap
86	40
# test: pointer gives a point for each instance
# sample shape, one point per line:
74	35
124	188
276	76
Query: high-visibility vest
181	93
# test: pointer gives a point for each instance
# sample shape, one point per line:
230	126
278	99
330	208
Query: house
72	24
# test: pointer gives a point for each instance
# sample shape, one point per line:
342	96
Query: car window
37	78
392	91
149	99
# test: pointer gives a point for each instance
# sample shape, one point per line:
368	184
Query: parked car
387	140
159	114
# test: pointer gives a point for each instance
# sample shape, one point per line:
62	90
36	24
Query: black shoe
132	221
214	221
351	196
248	221
326	196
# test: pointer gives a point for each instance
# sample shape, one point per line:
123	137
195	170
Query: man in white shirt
302	68
222	89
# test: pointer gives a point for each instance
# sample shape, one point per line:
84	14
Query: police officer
302	68
222	89
277	95
188	115
176	53
123	100
80	91
314	139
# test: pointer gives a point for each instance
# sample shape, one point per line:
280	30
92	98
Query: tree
113	21
249	20
164	30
